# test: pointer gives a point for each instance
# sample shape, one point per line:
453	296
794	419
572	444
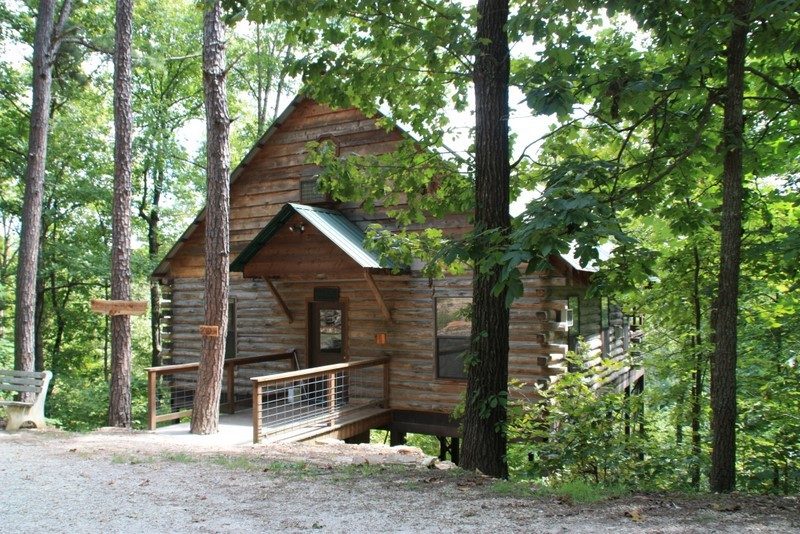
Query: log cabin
302	282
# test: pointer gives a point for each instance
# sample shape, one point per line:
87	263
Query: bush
80	402
575	433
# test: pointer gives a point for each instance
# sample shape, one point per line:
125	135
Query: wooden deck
237	429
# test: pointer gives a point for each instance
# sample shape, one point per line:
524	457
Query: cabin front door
327	333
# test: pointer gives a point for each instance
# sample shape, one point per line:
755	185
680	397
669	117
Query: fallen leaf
635	515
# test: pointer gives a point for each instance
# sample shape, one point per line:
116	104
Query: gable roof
331	223
163	267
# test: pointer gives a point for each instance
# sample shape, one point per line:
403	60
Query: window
230	339
330	330
605	333
574	331
310	193
453	331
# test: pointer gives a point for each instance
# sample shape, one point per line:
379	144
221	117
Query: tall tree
261	71
429	54
167	94
119	409
487	366
661	119
205	413
48	37
726	314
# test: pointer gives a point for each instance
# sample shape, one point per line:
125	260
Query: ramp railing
300	403
171	388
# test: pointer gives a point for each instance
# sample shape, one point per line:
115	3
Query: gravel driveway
109	481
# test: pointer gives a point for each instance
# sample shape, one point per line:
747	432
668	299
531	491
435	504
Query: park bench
24	382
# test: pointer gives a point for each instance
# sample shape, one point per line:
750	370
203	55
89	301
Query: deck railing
301	403
170	388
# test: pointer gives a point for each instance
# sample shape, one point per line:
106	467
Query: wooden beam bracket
119	307
284	308
378	296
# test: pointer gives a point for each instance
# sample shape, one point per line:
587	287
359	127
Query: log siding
271	178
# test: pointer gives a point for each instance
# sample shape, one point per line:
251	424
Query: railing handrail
242	360
322	369
229	366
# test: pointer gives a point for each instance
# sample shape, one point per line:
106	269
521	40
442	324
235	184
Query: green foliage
428	444
577	433
6	353
410	183
79	401
581	491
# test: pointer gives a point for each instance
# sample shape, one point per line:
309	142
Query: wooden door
327	333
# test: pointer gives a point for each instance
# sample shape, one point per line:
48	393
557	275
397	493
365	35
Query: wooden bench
24	382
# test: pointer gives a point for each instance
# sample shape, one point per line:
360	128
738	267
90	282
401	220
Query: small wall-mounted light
299	228
381	338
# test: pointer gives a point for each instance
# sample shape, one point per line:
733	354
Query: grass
179	457
574	491
512	488
580	491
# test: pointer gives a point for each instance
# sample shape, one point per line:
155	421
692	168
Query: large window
453	330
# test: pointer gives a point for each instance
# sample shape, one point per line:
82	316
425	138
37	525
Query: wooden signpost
119	307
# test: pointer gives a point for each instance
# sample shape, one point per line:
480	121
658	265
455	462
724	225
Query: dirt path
109	481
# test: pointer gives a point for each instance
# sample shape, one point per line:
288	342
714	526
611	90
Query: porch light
381	338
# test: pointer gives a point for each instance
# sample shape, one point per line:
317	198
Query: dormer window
310	193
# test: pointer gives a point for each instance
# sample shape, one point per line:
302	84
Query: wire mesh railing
302	403
171	388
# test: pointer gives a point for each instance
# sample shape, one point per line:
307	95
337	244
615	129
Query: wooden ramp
346	425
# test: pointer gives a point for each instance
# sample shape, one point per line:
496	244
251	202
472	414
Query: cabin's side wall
605	349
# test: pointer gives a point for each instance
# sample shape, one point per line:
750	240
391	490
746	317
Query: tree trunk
698	371
119	409
153	246
723	368
205	414
484	445
38	344
31	223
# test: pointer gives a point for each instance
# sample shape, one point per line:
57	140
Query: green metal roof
333	225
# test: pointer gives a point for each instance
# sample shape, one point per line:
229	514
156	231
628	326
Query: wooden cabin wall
537	341
272	178
614	367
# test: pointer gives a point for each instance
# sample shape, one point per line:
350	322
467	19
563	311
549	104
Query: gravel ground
112	481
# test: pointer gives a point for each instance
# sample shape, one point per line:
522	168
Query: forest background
674	236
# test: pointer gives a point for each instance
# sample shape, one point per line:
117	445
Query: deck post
386	384
331	394
256	412
231	388
152	379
